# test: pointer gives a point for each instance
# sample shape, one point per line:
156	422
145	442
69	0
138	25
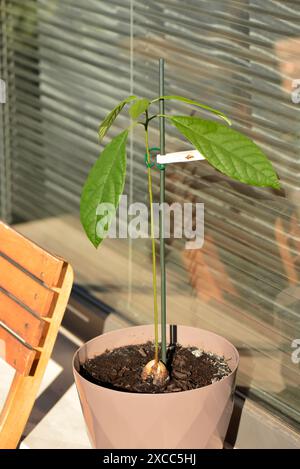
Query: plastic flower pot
190	419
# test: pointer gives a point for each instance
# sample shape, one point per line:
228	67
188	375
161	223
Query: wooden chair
34	292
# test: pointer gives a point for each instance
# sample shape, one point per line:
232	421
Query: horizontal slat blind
235	55
70	63
69	70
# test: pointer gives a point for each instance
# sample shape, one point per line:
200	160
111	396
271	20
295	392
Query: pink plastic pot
189	419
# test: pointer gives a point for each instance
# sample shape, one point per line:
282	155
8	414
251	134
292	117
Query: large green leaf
104	185
110	118
227	150
195	103
138	107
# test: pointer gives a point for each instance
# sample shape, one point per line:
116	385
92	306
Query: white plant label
180	157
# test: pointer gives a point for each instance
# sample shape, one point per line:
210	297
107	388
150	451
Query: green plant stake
225	149
162	216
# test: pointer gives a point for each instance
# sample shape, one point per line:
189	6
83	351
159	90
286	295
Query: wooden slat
29	327
15	353
31	257
29	292
24	389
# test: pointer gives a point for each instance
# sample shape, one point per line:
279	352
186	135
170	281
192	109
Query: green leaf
110	118
104	185
137	108
195	103
229	151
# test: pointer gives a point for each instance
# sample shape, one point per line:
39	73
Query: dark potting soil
121	368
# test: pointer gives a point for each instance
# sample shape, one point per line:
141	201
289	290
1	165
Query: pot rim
155	395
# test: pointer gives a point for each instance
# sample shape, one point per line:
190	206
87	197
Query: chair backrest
34	292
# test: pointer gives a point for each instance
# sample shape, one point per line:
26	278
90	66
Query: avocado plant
227	150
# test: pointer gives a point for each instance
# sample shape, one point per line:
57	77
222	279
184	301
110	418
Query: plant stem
153	242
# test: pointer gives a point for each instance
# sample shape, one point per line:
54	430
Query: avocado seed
157	371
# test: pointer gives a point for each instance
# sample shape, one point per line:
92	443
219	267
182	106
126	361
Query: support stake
162	216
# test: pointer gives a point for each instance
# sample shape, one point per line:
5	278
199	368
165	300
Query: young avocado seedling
225	149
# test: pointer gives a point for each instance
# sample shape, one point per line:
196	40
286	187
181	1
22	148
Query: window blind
69	62
241	56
